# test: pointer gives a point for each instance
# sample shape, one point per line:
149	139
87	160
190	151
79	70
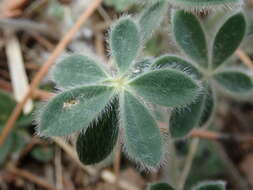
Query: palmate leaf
101	136
141	134
77	70
124	43
151	18
73	110
228	39
234	81
190	36
160	186
213	185
196	114
175	62
166	87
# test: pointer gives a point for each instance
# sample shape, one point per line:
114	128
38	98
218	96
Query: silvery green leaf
100	138
141	134
124	43
73	110
228	39
175	62
234	81
182	121
190	36
166	87
78	70
151	18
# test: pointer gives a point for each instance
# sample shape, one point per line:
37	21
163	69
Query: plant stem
188	164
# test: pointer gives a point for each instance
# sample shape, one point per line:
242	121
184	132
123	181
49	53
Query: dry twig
245	58
31	177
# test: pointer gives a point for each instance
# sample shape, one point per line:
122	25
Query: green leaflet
213	185
209	107
171	61
228	39
202	5
78	70
7	104
73	110
190	36
151	18
234	81
124	43
6	148
101	136
141	134
166	87
160	186
196	114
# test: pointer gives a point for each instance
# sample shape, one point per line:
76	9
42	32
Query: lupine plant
207	56
98	102
209	185
106	104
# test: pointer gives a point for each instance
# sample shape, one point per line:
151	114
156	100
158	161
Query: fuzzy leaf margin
228	39
166	87
151	18
234	81
78	70
190	36
101	136
73	110
142	137
125	42
211	185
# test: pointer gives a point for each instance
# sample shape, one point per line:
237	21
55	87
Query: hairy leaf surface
100	138
73	110
196	114
78	70
166	87
190	36
151	18
125	43
141	134
171	61
234	81
228	39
